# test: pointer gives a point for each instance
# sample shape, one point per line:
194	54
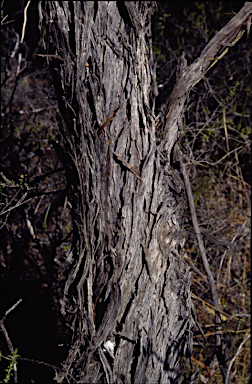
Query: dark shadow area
32	328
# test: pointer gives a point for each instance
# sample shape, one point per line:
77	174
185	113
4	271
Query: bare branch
234	358
189	76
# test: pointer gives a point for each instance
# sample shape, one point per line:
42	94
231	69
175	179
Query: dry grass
223	209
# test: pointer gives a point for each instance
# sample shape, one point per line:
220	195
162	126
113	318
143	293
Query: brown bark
130	283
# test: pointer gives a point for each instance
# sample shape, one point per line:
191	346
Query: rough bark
130	283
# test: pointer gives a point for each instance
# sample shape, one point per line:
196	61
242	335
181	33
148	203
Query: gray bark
130	283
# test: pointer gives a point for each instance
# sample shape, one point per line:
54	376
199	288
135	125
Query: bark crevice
129	263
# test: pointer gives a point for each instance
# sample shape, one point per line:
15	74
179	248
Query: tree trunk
130	283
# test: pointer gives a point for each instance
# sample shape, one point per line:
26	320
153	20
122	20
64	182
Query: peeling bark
130	283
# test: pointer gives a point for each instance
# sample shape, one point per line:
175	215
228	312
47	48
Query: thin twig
21	201
198	234
25	21
127	165
11	309
211	306
9	343
22	38
34	361
209	274
227	380
224	254
196	269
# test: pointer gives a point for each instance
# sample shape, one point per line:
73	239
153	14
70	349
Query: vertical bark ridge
130	283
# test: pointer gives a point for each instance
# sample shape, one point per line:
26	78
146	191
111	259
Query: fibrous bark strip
130	283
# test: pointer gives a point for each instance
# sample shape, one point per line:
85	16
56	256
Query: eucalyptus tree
127	296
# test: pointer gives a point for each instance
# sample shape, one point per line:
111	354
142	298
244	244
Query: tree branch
189	76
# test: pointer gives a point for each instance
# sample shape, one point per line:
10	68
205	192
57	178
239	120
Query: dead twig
9	343
224	314
127	165
209	274
233	359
